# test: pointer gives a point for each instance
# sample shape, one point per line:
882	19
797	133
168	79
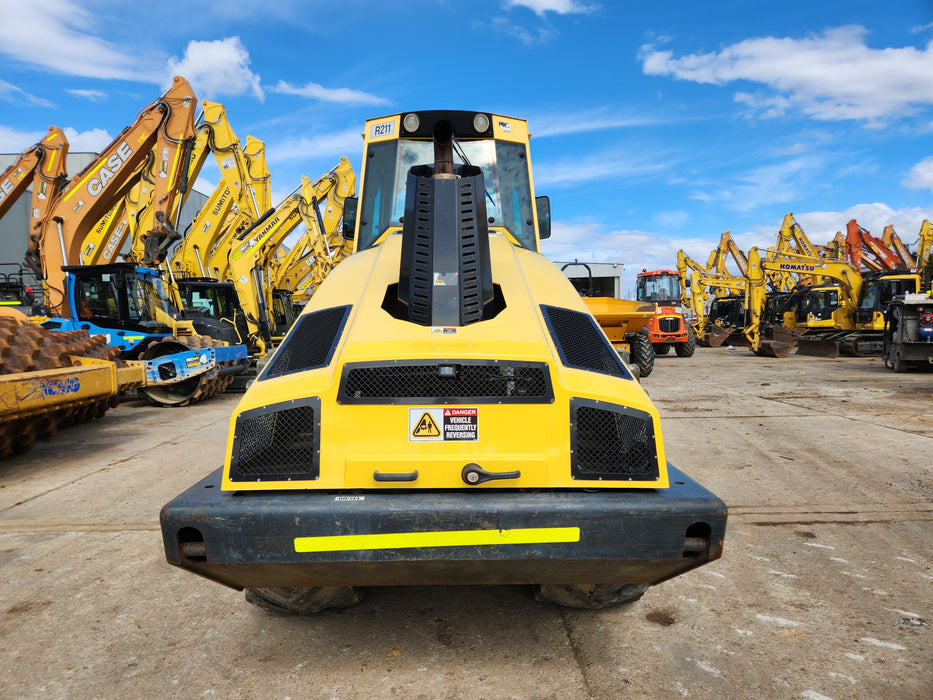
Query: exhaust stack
445	277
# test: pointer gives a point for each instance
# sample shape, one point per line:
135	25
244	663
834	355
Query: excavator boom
43	166
166	125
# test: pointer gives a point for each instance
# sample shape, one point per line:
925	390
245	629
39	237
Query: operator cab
497	145
879	289
658	287
818	303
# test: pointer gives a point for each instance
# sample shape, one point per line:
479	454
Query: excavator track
187	391
28	348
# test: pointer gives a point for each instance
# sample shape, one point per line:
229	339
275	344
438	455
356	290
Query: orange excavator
879	256
43	166
166	125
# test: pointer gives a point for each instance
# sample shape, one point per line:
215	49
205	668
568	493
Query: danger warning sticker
443	424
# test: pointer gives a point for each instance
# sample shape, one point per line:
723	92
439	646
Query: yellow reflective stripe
83	181
175	160
455	538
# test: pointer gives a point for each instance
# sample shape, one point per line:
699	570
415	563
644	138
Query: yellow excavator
302	268
842	313
446	410
721	318
240	198
245	299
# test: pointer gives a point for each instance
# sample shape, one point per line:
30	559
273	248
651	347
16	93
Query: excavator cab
877	292
124	302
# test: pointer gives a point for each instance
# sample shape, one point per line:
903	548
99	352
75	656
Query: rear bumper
250	539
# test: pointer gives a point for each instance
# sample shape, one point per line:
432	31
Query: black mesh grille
279	442
669	325
311	343
418	382
581	343
611	442
422	259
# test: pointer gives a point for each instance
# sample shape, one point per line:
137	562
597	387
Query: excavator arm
237	202
166	125
924	245
686	268
893	242
858	240
43	166
321	246
254	250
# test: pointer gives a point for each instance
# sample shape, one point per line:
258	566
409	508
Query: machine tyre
898	365
687	349
642	353
661	348
593	596
303	601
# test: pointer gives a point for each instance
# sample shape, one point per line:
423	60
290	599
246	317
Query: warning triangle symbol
426	427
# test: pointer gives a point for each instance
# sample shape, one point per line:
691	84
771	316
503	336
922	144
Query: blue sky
655	126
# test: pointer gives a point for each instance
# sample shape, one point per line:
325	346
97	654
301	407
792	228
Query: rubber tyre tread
661	348
303	601
642	353
688	348
592	596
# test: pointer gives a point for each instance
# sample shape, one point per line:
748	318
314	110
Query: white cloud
318	92
15	141
560	7
315	147
780	183
18	96
57	35
920	176
821	226
524	33
592	120
216	68
606	164
833	76
636	250
92	141
90	95
671	219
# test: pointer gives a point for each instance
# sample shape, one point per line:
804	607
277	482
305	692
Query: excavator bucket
774	348
714	337
817	347
779	341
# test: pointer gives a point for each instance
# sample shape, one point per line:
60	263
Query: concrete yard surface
824	590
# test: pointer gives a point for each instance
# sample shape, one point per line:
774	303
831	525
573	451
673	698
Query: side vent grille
611	442
278	443
422	260
581	343
311	343
449	381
